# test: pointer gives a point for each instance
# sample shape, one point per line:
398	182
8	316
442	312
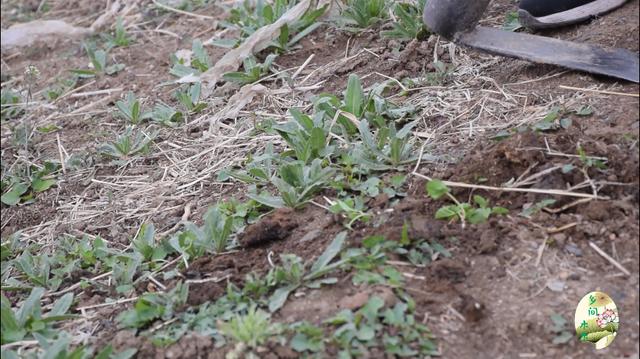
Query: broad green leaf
279	297
436	189
41	185
269	201
61	306
327	256
30	304
12	197
478	215
354	96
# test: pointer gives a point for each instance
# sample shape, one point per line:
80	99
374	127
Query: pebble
573	249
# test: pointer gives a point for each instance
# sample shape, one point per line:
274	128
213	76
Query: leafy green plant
294	275
99	63
189	97
120	37
307	338
409	25
511	22
306	136
441	73
356	105
252	329
554	120
361	14
24	183
152	306
213	236
131	109
296	183
394	330
166	115
463	211
56	90
10	103
252	70
352	209
127	145
145	244
259	169
385	149
562	334
30	320
252	15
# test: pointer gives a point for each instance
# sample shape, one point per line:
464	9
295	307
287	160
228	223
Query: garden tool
457	21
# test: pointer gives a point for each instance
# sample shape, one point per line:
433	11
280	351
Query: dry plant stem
510	189
609	259
599	91
117	302
182	12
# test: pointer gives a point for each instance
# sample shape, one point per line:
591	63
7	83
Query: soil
492	299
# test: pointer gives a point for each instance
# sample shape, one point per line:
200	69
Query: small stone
556	285
574	276
573	249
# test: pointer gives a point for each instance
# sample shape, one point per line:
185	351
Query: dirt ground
492	299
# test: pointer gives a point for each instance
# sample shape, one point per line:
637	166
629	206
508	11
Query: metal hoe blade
618	63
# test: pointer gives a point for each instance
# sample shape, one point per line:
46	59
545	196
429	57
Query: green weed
11	105
360	14
120	37
30	320
131	110
23	184
252	71
99	63
409	25
296	184
478	212
127	145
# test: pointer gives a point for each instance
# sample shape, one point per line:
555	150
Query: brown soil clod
276	226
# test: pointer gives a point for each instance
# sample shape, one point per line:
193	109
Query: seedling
120	38
478	212
22	186
11	105
296	184
189	97
352	209
127	145
29	320
441	73
395	330
131	109
259	170
409	23
562	333
355	105
294	275
360	14
307	137
145	244
99	63
213	236
512	22
250	16
166	115
152	306
386	148
554	120
253	71
251	330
